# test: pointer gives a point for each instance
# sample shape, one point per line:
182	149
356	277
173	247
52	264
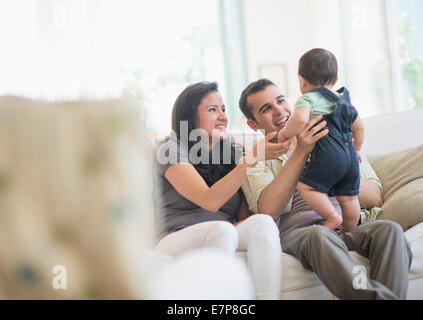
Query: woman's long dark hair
186	109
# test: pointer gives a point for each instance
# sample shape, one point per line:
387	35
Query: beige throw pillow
401	173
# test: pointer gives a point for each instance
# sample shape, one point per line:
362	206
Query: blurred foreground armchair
77	209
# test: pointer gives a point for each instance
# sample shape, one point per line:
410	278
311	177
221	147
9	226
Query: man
270	188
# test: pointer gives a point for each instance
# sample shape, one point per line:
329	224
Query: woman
203	205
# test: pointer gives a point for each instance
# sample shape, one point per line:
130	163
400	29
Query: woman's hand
266	150
307	138
359	156
273	150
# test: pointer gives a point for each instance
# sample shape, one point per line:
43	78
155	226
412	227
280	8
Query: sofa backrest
392	132
383	133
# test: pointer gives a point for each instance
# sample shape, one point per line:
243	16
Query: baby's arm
357	129
296	124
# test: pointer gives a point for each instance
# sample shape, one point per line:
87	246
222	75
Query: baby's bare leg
350	212
320	203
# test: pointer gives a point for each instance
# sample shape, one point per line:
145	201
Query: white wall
280	31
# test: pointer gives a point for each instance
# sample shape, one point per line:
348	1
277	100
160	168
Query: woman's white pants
258	235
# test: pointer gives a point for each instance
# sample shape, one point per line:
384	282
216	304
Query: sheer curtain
96	49
56	50
383	54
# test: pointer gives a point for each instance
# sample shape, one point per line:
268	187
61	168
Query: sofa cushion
414	237
296	278
401	173
405	206
406	132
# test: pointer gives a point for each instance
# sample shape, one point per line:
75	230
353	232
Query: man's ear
252	124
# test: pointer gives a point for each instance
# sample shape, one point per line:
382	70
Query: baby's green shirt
315	101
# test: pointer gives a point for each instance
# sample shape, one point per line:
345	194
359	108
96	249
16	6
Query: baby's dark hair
318	67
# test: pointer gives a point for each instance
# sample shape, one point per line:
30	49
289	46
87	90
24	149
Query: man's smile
281	122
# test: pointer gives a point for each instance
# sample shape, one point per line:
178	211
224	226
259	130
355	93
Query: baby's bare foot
333	221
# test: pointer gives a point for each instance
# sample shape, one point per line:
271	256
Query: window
188	42
166	46
406	32
383	54
95	49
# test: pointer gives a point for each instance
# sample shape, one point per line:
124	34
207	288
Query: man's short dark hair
252	88
318	67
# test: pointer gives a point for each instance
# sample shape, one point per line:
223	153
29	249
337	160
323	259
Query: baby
333	166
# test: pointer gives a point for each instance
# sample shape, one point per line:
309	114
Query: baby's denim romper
333	166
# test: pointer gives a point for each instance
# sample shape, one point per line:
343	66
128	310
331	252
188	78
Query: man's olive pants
326	253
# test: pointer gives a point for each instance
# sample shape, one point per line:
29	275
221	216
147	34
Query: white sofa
384	134
59	135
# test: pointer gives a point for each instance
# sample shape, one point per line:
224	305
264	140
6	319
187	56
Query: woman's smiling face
212	118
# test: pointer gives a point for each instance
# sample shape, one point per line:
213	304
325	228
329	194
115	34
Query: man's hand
307	138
